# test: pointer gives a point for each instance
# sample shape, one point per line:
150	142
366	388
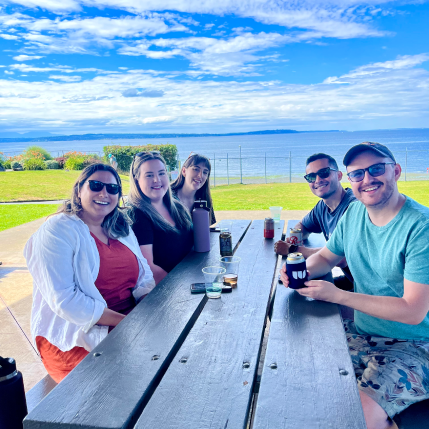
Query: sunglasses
97	186
322	173
374	171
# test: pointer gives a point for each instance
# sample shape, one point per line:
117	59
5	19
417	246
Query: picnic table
185	361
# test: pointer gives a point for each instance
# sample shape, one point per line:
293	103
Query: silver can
295	236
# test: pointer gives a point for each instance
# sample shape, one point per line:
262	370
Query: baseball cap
377	148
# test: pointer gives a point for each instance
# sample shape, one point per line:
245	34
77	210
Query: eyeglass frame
367	169
105	185
306	177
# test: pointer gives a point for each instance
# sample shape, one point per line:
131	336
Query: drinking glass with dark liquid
231	265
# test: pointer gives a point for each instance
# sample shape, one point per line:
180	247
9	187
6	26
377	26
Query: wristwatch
292	248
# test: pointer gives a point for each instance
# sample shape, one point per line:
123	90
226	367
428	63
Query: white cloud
9	72
66	78
9	36
210	55
57	6
27	57
395	97
402	62
133	92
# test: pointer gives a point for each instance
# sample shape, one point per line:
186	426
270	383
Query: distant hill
30	137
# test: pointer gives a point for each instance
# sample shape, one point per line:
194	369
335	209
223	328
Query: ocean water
272	157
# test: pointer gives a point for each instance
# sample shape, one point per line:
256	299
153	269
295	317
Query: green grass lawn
17	214
47	185
57	184
291	196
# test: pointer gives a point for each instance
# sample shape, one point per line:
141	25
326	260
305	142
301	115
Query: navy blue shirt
322	220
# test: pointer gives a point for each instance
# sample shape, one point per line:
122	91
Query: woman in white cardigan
88	271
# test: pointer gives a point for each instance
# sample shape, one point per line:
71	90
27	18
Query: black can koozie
296	270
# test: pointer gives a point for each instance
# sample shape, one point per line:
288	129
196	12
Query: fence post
406	162
265	167
290	167
227	167
241	169
214	168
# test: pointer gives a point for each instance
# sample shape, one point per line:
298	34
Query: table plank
109	391
302	383
214	388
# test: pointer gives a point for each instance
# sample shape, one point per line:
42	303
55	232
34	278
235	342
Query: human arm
110	318
158	272
53	258
411	308
318	265
282	247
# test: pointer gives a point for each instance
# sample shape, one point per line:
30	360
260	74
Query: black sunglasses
97	186
374	170
322	173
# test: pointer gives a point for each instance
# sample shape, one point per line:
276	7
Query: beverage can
295	236
225	243
296	270
269	227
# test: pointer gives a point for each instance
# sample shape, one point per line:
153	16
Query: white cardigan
64	261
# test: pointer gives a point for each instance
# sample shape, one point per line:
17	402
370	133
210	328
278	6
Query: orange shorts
58	363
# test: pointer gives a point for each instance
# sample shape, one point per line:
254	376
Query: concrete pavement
16	292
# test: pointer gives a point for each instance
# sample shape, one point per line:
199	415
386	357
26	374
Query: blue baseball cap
377	148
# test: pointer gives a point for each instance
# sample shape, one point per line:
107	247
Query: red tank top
118	275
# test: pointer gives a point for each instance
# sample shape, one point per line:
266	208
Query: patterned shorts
395	373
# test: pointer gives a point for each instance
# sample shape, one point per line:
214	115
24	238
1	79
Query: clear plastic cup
275	213
231	264
213	277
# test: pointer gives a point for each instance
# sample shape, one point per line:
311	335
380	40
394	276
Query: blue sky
144	66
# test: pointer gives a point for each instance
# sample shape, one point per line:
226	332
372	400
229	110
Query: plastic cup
213	277
275	213
231	265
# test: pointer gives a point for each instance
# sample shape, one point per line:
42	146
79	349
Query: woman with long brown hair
88	271
163	225
193	183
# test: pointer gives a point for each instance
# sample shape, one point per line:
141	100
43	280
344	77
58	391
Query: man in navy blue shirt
324	179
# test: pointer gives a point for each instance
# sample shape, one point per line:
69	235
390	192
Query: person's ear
398	171
184	171
340	175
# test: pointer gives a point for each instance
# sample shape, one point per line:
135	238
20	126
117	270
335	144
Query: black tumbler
13	407
296	270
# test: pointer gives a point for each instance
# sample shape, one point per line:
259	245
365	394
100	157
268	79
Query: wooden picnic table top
184	361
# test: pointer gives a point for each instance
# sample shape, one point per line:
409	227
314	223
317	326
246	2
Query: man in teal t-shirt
385	239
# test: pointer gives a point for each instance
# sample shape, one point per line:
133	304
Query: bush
32	150
16	165
78	160
7	165
52	164
75	163
61	161
34	164
124	154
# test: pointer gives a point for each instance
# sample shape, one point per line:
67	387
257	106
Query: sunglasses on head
97	186
323	173
373	170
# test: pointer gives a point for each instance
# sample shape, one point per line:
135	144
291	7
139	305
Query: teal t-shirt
380	258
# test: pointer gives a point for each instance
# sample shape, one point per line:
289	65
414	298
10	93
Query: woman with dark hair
88	271
162	225
193	183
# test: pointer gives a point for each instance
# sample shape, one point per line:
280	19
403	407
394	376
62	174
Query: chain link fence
290	167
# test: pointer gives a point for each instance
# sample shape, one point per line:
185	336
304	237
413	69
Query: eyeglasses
374	170
323	173
97	186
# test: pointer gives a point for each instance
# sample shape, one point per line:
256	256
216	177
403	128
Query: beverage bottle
201	221
13	406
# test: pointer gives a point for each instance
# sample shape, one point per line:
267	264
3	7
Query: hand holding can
296	271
